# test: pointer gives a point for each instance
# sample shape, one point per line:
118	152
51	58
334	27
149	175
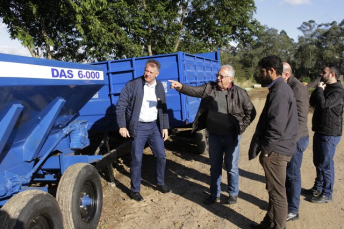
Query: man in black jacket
226	111
293	182
327	100
274	139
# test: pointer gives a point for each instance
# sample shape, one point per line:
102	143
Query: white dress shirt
149	110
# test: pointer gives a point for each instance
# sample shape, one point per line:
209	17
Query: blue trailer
40	142
191	69
49	109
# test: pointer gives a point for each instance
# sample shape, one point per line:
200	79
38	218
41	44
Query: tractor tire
80	196
31	209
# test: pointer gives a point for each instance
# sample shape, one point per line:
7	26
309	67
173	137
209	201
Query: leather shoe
311	192
163	188
292	216
262	225
232	199
211	199
136	196
321	199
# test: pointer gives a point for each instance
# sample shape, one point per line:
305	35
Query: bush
306	79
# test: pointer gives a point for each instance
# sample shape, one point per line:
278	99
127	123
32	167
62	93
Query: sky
285	15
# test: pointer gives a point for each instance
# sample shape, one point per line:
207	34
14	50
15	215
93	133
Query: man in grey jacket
293	182
274	139
225	111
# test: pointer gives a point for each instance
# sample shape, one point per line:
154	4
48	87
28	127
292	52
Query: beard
324	79
265	81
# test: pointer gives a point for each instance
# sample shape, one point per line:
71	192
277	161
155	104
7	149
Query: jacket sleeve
122	105
249	112
194	91
165	124
332	99
277	118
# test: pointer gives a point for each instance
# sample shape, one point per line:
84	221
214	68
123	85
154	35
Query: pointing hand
175	85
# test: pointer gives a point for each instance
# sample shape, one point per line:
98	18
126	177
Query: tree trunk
181	23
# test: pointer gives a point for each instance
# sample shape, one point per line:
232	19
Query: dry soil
187	173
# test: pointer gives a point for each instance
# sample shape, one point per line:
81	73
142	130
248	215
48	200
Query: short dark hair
333	69
153	63
272	61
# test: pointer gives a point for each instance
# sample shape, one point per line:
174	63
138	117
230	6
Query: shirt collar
153	85
273	82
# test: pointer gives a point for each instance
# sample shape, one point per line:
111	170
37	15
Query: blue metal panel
186	68
8	118
37	130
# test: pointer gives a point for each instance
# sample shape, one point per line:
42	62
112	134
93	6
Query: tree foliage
88	30
319	45
39	24
267	43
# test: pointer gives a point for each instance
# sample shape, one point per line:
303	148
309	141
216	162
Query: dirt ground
187	173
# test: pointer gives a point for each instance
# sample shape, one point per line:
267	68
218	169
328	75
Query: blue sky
285	15
288	15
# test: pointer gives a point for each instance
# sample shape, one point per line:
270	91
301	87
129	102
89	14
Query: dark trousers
147	133
274	167
293	182
324	148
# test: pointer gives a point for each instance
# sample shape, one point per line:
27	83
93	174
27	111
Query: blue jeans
324	148
293	181
229	146
147	132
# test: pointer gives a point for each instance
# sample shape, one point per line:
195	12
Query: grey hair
230	69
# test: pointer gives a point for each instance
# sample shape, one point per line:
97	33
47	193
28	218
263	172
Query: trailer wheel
80	196
31	209
201	138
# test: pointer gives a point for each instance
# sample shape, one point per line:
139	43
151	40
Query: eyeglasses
221	76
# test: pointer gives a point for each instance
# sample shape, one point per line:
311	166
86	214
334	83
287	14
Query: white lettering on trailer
19	70
164	84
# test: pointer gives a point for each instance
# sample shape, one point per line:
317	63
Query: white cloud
21	51
298	2
9	46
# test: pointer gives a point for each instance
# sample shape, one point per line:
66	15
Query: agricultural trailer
190	69
41	144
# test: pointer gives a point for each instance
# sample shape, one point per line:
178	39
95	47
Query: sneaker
311	192
321	199
211	199
232	199
163	188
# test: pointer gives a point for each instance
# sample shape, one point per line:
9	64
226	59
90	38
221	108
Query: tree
95	30
320	44
269	42
39	24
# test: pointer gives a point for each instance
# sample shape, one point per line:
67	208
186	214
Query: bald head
287	71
